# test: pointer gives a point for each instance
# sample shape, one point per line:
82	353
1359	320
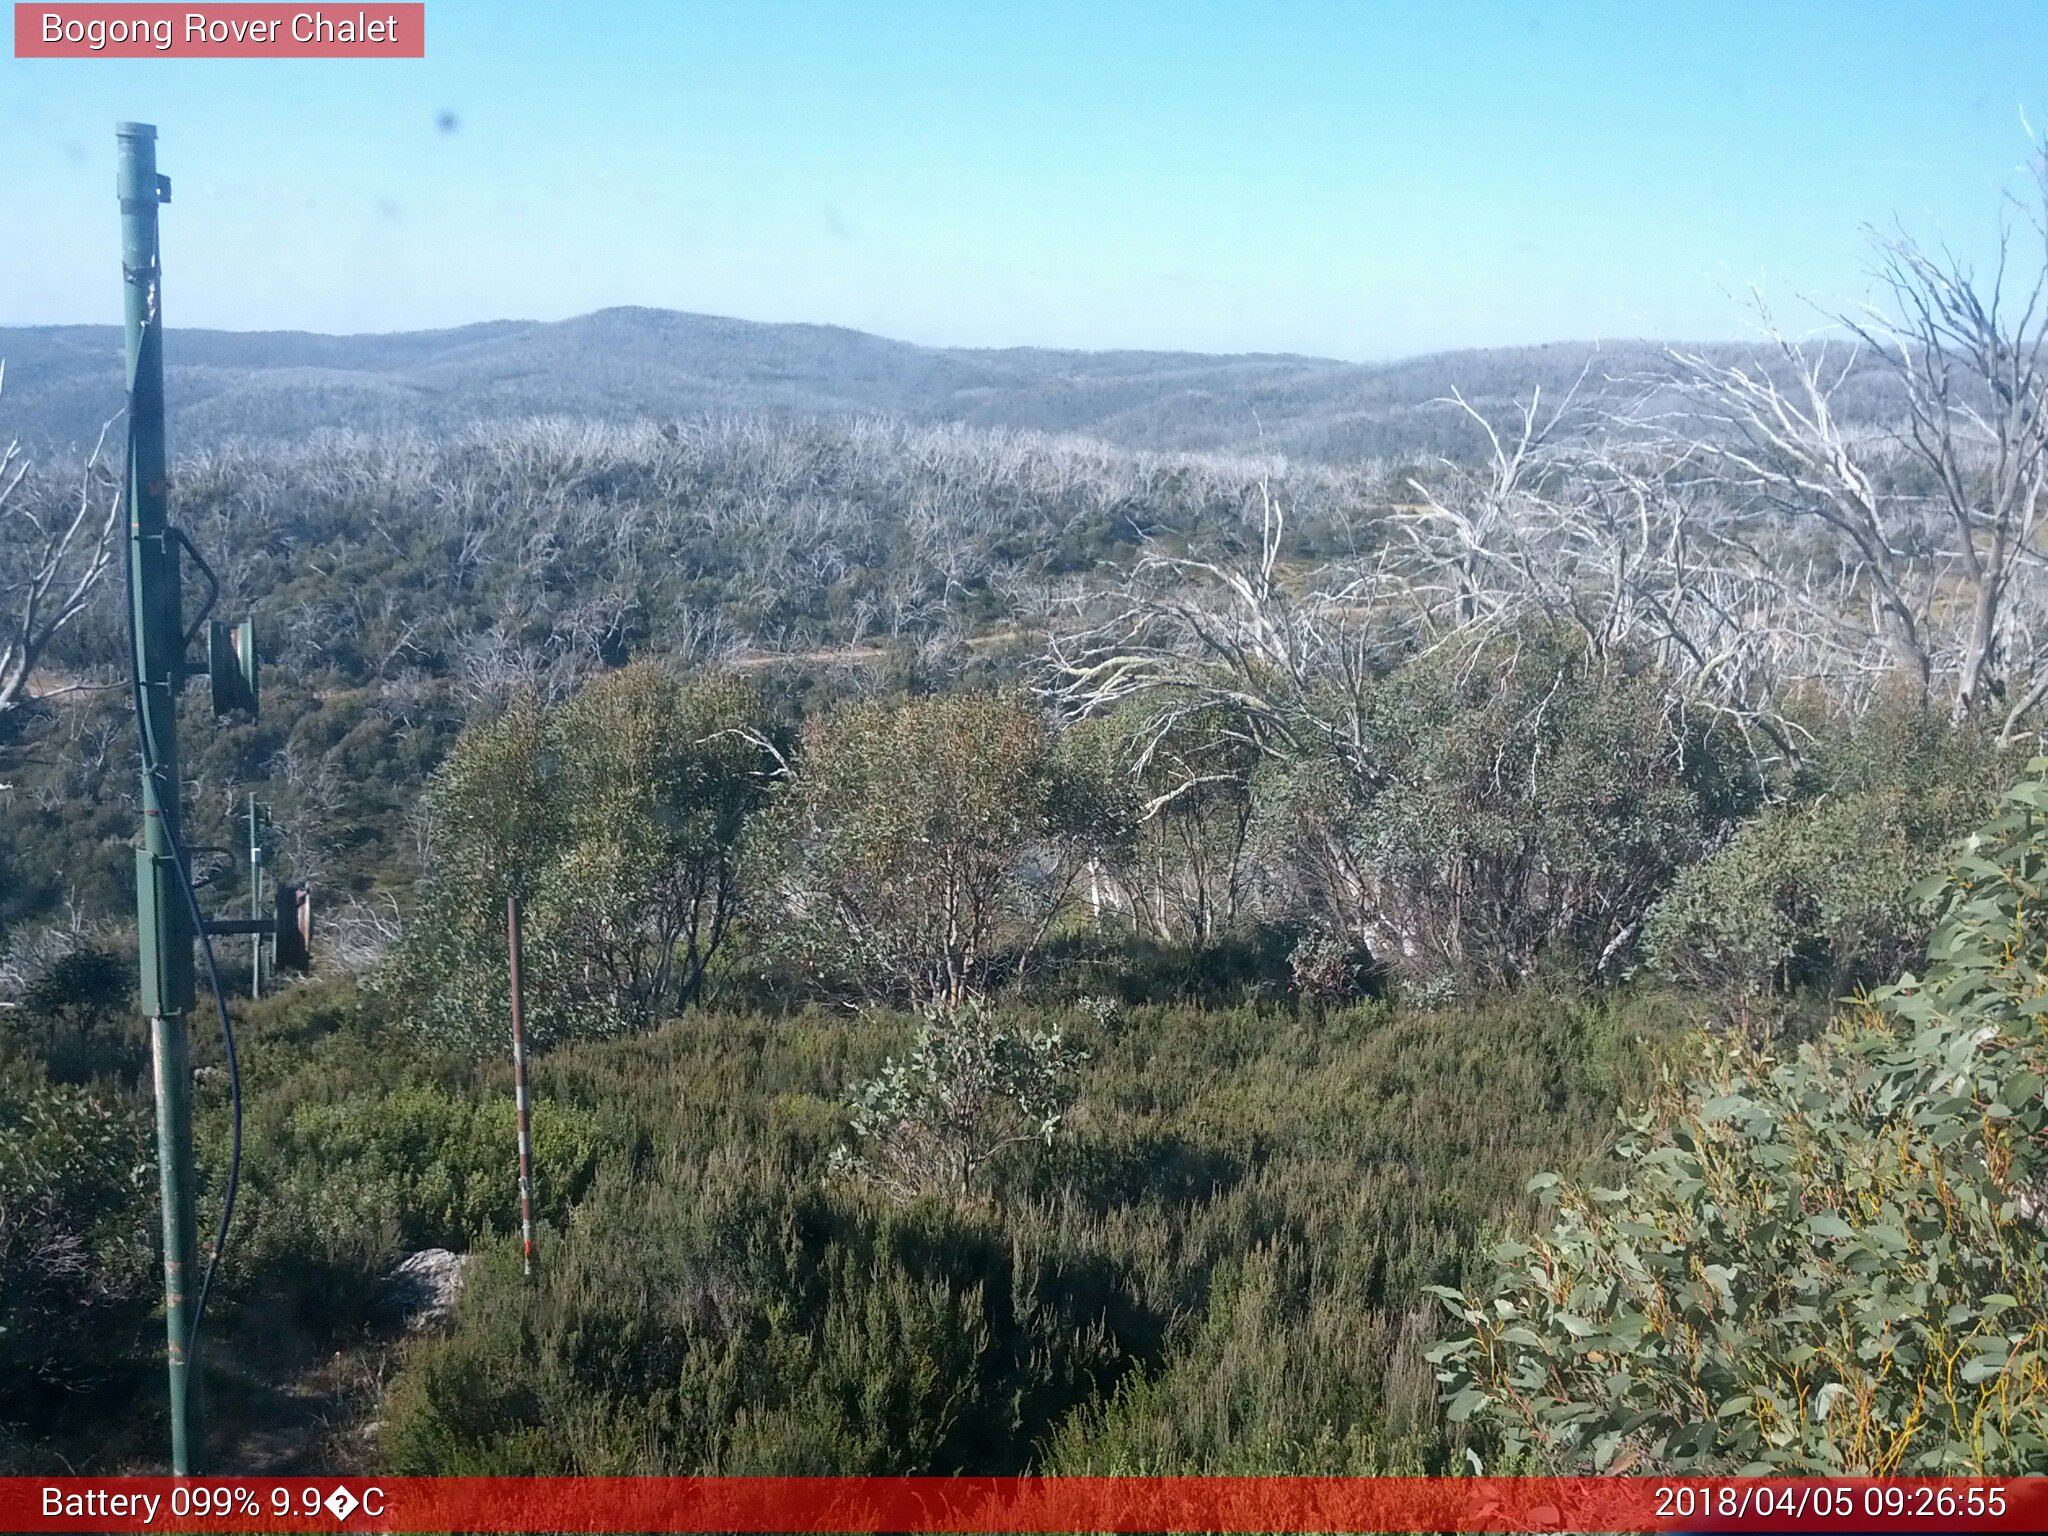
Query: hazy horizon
1335	181
1572	343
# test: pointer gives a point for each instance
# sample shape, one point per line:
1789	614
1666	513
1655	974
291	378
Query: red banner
969	1504
102	31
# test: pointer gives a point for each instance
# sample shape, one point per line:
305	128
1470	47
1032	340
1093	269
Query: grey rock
420	1291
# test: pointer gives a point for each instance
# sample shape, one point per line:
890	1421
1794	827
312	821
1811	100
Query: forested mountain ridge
630	364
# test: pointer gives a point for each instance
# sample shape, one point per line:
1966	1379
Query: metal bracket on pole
160	657
163	931
290	926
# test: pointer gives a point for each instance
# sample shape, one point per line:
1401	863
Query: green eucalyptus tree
616	818
920	846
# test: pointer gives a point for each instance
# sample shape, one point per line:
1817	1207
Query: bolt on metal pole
255	902
164	931
519	1098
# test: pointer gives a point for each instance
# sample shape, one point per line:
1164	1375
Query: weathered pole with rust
519	1097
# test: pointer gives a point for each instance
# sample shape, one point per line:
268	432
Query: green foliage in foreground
78	1259
76	1170
971	1087
361	1144
1824	1262
1217	1266
737	1321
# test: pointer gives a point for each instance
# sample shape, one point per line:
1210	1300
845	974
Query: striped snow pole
519	1091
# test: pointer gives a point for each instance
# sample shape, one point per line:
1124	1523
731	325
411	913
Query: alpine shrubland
1043	956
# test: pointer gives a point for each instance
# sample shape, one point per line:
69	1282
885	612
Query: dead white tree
1478	539
1976	401
1572	523
356	935
53	552
1232	657
1770	440
1279	660
1932	518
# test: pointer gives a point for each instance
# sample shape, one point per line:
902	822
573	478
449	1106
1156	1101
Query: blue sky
1359	180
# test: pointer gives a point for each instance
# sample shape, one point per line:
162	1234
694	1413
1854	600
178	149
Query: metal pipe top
135	130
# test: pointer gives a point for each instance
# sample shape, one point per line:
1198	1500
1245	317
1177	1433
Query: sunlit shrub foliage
920	846
1818	1261
616	819
1814	892
972	1087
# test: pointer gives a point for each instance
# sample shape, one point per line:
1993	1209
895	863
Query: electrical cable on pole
167	912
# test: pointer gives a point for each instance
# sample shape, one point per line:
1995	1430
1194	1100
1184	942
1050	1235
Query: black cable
153	769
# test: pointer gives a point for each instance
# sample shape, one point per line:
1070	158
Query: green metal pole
163	929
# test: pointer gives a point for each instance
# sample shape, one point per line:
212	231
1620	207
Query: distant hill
64	381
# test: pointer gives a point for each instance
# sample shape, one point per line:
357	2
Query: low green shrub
1512	805
78	1269
76	1019
973	1089
1217	1265
361	1142
1813	894
1824	1261
333	1193
735	1320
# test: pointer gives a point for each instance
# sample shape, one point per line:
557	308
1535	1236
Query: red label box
241	31
986	1506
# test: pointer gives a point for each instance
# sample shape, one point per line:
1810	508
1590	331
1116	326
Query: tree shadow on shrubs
1161	1167
1239	969
733	1320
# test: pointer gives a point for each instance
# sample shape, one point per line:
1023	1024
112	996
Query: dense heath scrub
1231	1186
1248	1158
1043	956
